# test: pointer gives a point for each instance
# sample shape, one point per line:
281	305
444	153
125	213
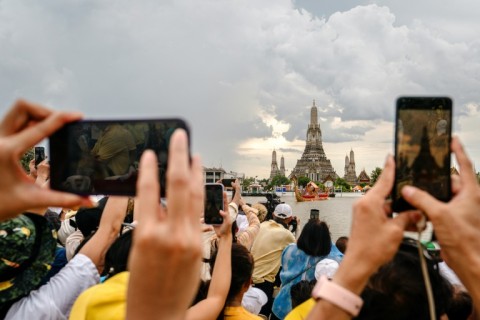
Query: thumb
421	200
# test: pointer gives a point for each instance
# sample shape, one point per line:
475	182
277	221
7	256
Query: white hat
326	267
283	211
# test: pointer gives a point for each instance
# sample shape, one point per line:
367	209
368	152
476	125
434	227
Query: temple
275	171
350	173
314	164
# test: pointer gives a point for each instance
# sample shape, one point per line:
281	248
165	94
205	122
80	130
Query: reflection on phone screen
423	150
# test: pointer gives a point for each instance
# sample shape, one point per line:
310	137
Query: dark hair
301	291
315	238
461	306
397	290
341	244
117	255
242	268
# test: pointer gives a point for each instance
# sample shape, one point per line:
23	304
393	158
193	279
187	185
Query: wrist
353	274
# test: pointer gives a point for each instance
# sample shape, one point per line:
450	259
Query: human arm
247	236
166	249
372	232
108	230
457	222
210	307
23	126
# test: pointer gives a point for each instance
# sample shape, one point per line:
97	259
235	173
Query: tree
280	180
303	181
247	182
26	158
374	175
342	183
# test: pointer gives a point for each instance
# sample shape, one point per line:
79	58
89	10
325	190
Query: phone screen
227	183
39	155
213	203
422	147
101	157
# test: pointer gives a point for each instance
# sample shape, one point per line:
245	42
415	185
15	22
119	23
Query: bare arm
210	307
166	250
456	223
370	217
107	232
247	236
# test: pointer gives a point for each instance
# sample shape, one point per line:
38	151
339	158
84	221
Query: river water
336	212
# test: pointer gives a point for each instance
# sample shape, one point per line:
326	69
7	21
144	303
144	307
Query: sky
244	74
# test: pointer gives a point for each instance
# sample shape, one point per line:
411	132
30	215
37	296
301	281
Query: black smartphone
101	156
227	183
39	154
213	203
422	147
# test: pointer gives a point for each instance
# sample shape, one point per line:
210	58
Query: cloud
244	74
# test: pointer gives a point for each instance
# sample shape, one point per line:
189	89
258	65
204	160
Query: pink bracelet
337	295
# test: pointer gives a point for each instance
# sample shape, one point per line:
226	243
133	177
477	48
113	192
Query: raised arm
166	251
373	232
456	223
211	307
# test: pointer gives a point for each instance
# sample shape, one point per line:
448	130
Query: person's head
461	306
315	238
326	267
28	249
242	270
88	219
283	213
301	292
397	289
262	211
341	244
116	257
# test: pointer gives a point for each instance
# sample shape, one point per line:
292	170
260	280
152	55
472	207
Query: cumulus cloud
223	65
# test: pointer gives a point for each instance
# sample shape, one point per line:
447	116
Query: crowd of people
66	256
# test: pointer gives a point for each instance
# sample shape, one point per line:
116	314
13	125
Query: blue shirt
297	266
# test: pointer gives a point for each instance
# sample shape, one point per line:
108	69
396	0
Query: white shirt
55	299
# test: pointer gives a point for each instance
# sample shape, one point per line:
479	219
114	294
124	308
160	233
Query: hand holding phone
422	147
39	154
213	203
101	156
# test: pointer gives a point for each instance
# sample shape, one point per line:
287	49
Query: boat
311	193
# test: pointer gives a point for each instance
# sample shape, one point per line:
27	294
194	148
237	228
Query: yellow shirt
267	250
107	300
301	311
239	313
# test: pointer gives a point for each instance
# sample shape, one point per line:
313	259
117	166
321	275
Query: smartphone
422	147
101	156
39	153
227	183
213	203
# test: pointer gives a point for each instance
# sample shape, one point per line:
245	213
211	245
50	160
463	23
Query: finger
48	198
197	190
32	135
384	184
178	180
20	115
225	202
148	188
402	221
466	168
456	184
423	201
